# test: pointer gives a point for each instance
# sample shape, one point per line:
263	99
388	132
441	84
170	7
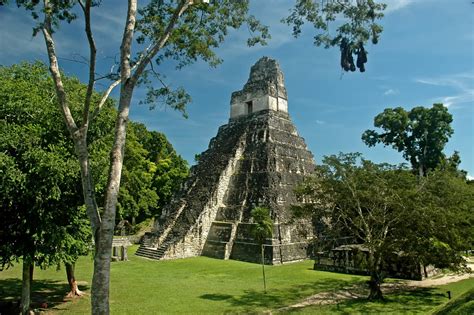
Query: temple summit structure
257	159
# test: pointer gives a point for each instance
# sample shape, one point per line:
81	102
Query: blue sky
425	55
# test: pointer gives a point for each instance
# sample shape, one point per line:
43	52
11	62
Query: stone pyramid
257	159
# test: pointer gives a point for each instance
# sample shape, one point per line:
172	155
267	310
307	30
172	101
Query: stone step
147	252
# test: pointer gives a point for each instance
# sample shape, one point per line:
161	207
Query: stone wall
265	90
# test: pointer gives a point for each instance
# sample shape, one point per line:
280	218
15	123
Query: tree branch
56	74
125	47
92	60
78	134
104	98
158	76
141	65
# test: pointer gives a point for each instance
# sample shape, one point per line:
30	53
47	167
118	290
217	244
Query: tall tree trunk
421	173
27	279
103	245
375	277
374	286
88	187
71	279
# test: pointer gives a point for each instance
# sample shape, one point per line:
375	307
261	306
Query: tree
42	219
420	134
136	196
443	219
151	173
169	169
358	26
261	230
183	30
389	210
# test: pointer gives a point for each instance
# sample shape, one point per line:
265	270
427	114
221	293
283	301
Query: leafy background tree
166	172
443	220
420	134
42	218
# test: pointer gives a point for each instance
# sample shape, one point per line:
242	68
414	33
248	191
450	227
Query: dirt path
361	291
431	282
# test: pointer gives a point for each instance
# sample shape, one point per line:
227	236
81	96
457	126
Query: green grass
198	285
204	285
464	304
411	301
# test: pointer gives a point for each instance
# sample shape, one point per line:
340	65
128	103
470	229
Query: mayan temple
257	159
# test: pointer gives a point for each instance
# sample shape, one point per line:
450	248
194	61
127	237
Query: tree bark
101	278
71	279
79	135
88	187
263	269
375	290
375	277
27	279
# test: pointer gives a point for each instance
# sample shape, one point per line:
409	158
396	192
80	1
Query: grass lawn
205	285
414	301
464	304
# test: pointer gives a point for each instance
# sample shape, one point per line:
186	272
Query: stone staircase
148	250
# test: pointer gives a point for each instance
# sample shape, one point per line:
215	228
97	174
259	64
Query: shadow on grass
43	291
411	301
254	300
462	305
216	297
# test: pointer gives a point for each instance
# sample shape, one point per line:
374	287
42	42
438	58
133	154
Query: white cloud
16	37
462	83
320	122
394	5
17	42
390	92
448	101
108	23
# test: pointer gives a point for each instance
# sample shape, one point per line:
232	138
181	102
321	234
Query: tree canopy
420	134
152	172
263	225
354	24
389	210
42	218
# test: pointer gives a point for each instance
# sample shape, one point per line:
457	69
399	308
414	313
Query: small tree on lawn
261	230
